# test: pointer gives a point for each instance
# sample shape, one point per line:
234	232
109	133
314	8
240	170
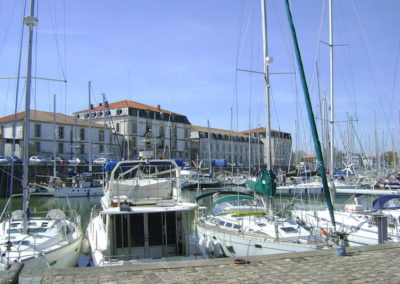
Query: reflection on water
37	204
83	205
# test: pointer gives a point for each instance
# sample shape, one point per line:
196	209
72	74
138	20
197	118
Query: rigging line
235	88
370	57
251	61
7	29
65	38
55	33
396	66
343	30
317	48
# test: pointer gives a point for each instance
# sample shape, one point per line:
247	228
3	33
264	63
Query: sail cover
265	185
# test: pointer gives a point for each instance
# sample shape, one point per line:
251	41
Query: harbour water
83	205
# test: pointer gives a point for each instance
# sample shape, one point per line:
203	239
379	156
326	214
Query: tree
391	158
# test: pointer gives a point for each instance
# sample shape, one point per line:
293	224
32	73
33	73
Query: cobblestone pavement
373	264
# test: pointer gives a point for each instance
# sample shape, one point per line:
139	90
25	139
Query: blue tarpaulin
386	202
221	163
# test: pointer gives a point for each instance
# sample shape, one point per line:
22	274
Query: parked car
37	160
3	160
14	159
100	161
77	161
59	161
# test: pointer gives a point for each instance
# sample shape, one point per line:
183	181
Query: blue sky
183	55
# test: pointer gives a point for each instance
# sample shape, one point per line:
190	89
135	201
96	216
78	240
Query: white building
218	144
74	137
281	146
132	120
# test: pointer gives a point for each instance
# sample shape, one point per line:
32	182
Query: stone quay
368	264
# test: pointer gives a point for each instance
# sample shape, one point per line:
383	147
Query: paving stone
375	264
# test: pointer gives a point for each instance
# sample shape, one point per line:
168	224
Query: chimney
158	107
100	104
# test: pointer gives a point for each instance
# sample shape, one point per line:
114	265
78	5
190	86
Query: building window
161	131
82	134
101	149
60	148
148	125
117	127
101	135
38	130
174	131
82	149
61	132
37	147
134	127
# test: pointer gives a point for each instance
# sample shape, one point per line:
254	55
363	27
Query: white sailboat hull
78	191
238	244
66	256
360	227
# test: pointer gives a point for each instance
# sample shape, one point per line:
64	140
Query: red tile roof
131	104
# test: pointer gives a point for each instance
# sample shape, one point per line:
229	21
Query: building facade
69	136
236	148
281	146
131	120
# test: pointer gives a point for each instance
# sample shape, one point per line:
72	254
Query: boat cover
386	202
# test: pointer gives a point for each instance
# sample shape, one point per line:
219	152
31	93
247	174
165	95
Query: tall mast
209	145
331	86
266	62
90	126
55	137
30	21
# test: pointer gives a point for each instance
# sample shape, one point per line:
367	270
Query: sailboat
354	224
240	224
53	241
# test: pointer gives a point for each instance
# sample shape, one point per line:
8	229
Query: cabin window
129	230
156	221
228	224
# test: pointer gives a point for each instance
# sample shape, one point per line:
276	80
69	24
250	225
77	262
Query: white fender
85	246
203	242
210	246
217	249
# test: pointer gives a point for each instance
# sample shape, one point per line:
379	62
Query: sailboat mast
90	126
55	137
266	63
30	21
331	86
